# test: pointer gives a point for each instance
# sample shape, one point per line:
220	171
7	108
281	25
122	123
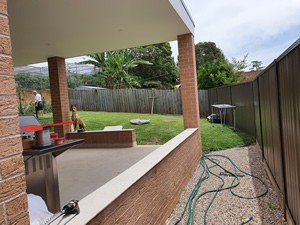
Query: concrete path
81	171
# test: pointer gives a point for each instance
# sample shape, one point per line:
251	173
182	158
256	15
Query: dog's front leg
75	124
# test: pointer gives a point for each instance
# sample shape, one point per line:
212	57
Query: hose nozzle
71	208
247	220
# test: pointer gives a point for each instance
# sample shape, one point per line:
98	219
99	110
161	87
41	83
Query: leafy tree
73	81
256	65
239	66
213	69
218	73
115	68
163	73
29	81
207	52
94	80
37	82
98	60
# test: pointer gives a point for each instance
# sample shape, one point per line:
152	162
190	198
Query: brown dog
76	119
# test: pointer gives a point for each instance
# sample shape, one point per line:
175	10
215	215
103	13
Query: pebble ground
226	208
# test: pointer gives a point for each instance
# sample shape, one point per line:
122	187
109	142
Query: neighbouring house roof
250	75
69	28
71	69
83	87
31	69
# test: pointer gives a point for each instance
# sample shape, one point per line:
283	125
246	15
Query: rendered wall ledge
147	192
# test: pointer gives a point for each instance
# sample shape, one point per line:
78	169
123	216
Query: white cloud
246	26
261	28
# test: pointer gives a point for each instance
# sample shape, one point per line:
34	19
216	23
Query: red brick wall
188	79
122	138
13	198
59	93
152	198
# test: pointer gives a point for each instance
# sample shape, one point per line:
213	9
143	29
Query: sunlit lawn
162	128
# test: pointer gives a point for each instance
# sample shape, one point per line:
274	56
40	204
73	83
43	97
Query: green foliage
256	65
213	69
130	68
207	52
26	108
29	108
215	74
239	66
163	69
38	82
73	81
34	82
97	59
162	128
94	80
115	68
47	107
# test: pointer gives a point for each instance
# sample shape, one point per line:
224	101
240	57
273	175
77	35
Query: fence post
283	172
260	123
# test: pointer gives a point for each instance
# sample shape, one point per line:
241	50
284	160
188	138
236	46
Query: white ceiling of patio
69	28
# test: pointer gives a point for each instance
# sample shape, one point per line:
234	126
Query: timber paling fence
133	101
269	109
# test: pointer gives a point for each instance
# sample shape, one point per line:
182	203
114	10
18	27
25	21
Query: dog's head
73	108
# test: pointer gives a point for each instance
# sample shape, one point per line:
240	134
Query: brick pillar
13	197
188	80
59	93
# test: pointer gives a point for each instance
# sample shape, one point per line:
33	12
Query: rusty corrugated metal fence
269	108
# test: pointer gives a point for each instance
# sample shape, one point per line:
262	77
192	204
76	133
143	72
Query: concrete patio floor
81	171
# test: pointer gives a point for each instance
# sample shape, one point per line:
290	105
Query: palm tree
115	66
98	61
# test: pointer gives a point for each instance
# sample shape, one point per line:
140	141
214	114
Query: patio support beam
13	197
188	79
59	93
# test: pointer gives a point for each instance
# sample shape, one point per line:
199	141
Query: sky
263	29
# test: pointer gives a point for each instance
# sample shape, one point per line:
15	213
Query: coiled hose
207	172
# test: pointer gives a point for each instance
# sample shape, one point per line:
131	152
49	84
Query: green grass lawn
162	128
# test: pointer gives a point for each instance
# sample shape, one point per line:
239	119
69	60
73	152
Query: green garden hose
194	197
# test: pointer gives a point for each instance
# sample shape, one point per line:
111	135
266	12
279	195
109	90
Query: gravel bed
227	208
